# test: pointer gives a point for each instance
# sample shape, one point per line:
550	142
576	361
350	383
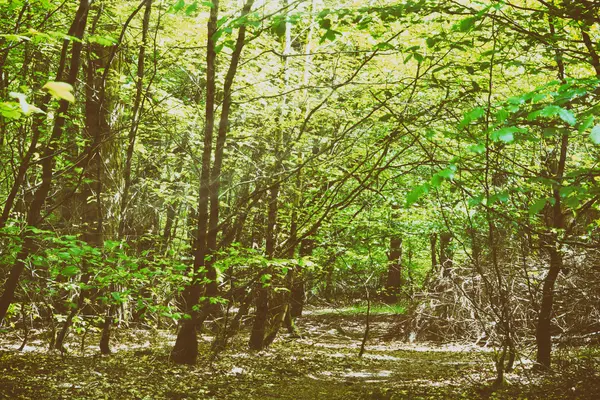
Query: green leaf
506	134
537	206
279	28
473	201
325	23
502	115
477	148
567	190
573	202
329	35
465	25
538	97
532	116
517	100
384	46
502	197
69	270
549	111
415	194
106	41
448	173
586	124
178	6
436	180
472	116
192	8
431	41
595	135
60	90
567	116
552	110
10	110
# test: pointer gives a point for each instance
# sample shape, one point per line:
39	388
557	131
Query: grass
361	309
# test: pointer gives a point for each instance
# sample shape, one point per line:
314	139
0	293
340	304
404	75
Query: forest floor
322	365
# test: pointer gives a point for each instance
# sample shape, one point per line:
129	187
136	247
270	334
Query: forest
299	199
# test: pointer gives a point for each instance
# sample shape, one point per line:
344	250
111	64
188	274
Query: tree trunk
298	294
135	119
543	333
433	245
48	161
446	254
257	337
185	350
215	174
394	277
96	129
260	319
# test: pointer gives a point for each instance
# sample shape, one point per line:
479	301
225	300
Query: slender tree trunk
96	129
433	245
135	120
215	175
394	277
38	122
543	329
298	295
48	161
185	350
446	254
257	336
186	346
